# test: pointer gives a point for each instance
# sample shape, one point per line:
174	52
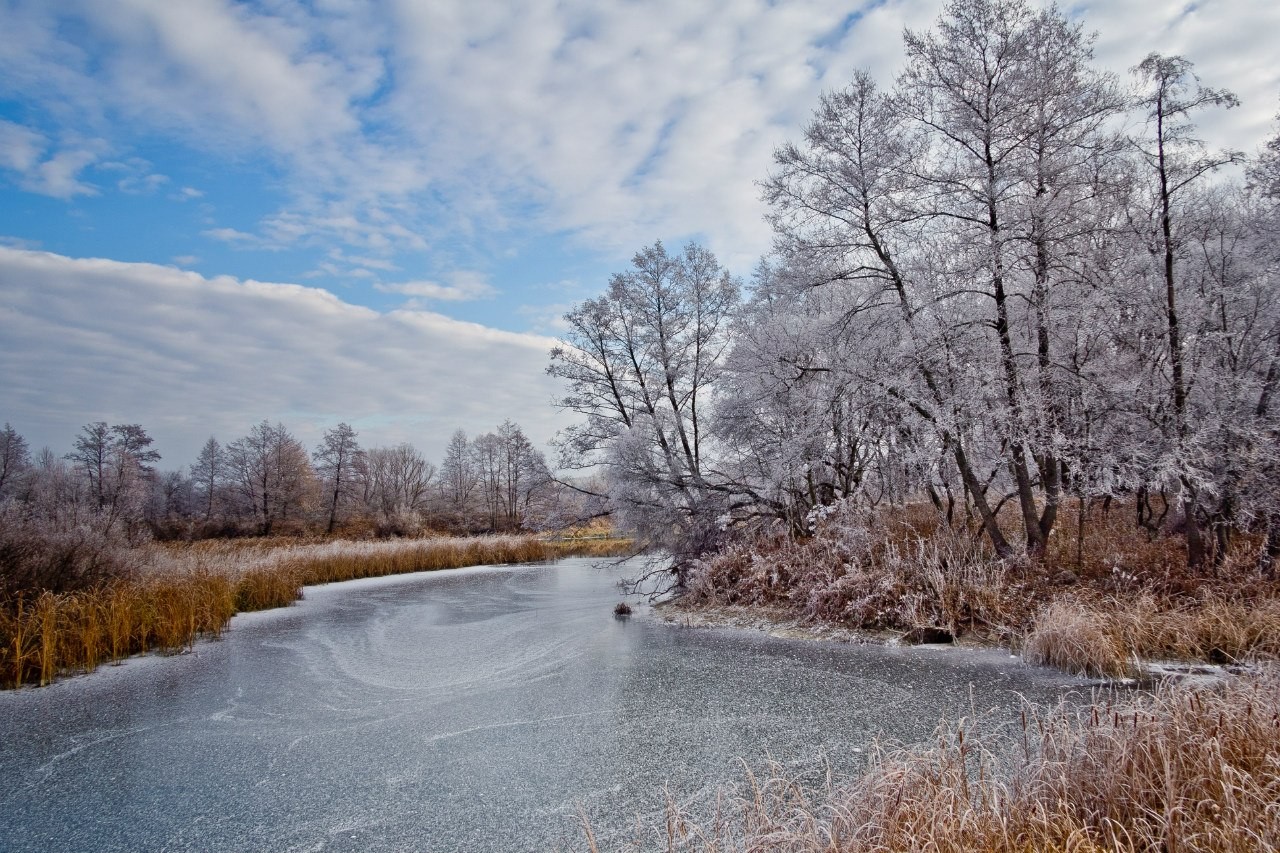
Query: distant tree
15	459
524	473
57	495
173	502
458	478
486	457
340	463
397	483
92	455
116	462
207	474
270	473
511	472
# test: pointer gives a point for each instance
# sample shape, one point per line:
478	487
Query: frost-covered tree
116	462
952	214
207	474
639	364
458	478
270	473
15	460
397	482
339	462
511	473
1176	163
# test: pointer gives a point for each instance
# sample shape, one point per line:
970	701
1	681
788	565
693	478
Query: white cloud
59	176
1231	42
188	356
616	123
137	176
23	151
462	286
546	319
20	147
231	235
18	242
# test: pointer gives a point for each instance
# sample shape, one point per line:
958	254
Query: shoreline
782	624
195	591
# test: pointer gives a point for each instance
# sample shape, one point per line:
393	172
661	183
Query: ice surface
470	710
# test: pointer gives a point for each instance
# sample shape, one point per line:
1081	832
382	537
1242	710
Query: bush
895	574
37	556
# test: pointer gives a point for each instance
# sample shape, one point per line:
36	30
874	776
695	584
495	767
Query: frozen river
479	709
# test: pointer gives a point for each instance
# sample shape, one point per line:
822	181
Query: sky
376	211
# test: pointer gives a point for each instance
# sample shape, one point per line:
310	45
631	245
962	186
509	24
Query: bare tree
397	483
458	478
116	462
511	472
208	472
92	455
15	459
270	472
339	462
1176	160
639	364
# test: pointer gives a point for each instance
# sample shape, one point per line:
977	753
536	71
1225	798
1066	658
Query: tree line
266	482
1007	280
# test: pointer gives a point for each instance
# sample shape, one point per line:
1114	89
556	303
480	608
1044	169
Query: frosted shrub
867	570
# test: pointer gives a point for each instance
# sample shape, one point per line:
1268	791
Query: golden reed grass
181	593
1112	635
1183	769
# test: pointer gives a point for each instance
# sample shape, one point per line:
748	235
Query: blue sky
424	187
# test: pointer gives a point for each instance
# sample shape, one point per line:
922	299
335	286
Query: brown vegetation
1179	770
171	595
1101	597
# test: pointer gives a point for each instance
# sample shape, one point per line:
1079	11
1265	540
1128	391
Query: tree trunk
1270	548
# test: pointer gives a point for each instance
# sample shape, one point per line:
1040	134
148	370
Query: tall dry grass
1104	596
1178	770
895	572
1112	635
177	594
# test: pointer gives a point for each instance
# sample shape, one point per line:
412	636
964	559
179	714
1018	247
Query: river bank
782	624
1180	768
1099	604
174	594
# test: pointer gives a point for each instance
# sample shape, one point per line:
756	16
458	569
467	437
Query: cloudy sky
214	212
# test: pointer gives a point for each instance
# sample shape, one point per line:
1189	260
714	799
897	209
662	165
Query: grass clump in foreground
1104	596
175	594
1178	770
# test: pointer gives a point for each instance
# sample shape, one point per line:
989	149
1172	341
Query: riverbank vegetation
1180	769
266	483
1011	368
102	556
1099	600
164	597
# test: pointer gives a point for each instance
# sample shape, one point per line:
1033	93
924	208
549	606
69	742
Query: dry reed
181	593
1104	596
